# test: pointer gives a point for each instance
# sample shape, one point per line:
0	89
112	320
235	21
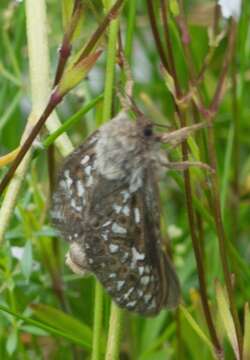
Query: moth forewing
106	205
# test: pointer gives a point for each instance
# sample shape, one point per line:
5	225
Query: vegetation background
46	311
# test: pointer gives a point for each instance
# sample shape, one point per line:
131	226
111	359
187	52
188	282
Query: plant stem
97	328
110	67
39	77
115	325
130	30
168	62
115	317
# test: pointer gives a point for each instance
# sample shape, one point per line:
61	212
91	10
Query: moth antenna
176	137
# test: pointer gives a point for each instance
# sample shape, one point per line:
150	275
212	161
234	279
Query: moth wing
72	189
170	287
123	247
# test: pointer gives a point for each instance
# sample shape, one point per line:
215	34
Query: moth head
125	146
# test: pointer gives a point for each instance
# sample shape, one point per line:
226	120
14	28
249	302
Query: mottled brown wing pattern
73	190
123	249
114	232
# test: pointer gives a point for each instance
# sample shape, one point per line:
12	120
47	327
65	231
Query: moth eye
148	131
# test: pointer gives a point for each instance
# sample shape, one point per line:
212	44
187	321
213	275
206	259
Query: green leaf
246	340
11	342
62	321
151	330
67	8
34	330
196	327
76	72
69	336
174	7
26	262
226	318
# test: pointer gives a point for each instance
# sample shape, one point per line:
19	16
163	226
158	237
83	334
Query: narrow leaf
47	328
62	321
11	342
226	317
246	341
26	262
196	327
76	72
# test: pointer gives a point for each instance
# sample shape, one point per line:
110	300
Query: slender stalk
97	328
70	122
198	251
109	18
65	48
110	67
236	147
130	30
114	326
156	34
214	176
222	237
114	336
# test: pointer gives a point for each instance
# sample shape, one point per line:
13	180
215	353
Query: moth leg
184	165
76	259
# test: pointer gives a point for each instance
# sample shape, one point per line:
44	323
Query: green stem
130	30
115	325
110	67
71	121
115	318
97	330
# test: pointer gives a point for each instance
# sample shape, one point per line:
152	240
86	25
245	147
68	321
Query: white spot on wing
145	280
68	179
126	195
56	214
152	305
117	208
63	184
104	236
90	181
74	206
112	275
136	256
147	298
137	215
125	256
88	170
85	159
131	304
141	270
113	248
126	210
107	223
117	229
126	296
120	284
140	293
80	188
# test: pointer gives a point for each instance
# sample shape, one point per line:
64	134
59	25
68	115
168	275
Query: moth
106	205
